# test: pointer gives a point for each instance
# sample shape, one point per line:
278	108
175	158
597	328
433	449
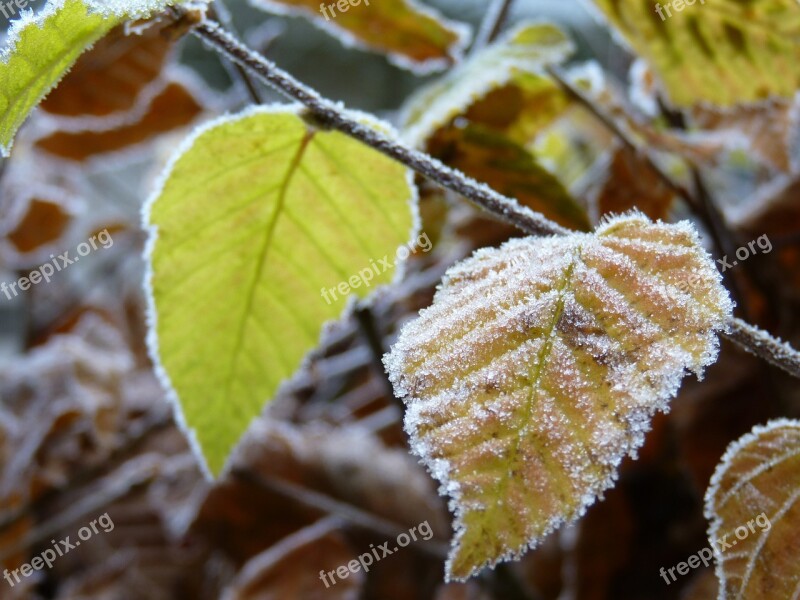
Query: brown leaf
409	36
109	78
291	568
630	183
174	107
44	222
508	168
752	504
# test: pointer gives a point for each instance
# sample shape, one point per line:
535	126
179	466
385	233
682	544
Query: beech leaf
539	367
261	221
752	505
41	49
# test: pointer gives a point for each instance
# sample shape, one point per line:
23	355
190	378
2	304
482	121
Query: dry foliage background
325	472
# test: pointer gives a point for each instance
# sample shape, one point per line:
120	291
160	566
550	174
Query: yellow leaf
412	37
263	230
752	504
539	367
719	51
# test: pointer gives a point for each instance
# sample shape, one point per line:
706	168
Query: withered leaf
173	107
539	367
752	503
109	78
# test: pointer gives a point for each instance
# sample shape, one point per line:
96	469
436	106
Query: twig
220	13
337	117
369	330
346	512
492	24
609	123
762	344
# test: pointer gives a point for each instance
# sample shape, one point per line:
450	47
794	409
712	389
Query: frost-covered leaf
42	48
539	366
412	36
723	51
510	69
263	228
752	505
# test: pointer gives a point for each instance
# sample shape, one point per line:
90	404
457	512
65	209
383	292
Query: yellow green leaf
513	66
753	505
539	367
40	51
411	36
41	48
262	230
720	51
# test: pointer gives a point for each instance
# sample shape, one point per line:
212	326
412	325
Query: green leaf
539	367
412	37
719	51
40	51
258	215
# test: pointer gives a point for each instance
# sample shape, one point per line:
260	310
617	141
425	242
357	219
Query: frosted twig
337	117
762	344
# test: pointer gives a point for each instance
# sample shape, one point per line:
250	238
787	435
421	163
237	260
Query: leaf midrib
262	258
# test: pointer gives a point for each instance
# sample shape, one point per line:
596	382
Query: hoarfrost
539	367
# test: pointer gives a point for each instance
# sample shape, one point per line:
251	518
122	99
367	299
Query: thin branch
609	123
762	344
331	506
492	23
335	116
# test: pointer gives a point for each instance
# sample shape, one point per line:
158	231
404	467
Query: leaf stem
762	344
337	117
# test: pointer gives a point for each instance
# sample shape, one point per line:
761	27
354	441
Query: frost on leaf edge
151	313
440	468
715	523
